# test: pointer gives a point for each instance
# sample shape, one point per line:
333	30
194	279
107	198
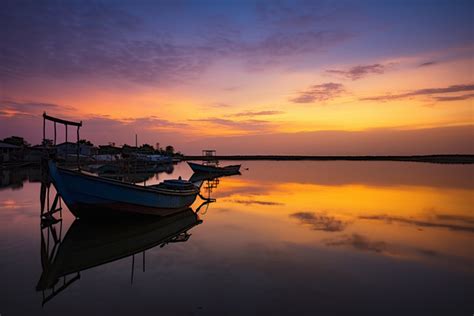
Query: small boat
227	170
88	195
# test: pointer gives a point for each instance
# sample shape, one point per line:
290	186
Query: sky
244	77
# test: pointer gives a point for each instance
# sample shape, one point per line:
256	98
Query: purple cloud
259	113
442	223
244	125
428	63
455	98
359	242
256	202
319	92
423	92
357	72
320	221
10	107
89	40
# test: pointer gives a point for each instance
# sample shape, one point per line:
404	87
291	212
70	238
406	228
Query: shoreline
443	159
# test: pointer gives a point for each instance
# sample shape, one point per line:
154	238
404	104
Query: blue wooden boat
201	168
88	195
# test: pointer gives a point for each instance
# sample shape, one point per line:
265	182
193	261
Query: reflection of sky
326	241
177	72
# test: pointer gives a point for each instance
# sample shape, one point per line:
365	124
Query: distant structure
110	149
9	152
70	149
209	153
209	157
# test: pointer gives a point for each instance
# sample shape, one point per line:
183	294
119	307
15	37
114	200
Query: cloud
399	250
319	92
63	40
358	72
428	63
93	40
422	223
13	108
363	243
457	218
220	105
307	14
422	92
231	88
9	108
244	125
358	242
149	123
455	98
285	44
320	221
256	202
153	121
259	113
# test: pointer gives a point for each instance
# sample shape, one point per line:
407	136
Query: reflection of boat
202	168
200	177
91	196
208	182
89	244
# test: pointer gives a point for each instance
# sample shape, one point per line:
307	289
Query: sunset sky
244	77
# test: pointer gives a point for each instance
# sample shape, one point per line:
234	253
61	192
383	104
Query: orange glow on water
415	222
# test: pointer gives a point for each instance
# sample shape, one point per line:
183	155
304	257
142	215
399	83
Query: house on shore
69	150
109	150
10	153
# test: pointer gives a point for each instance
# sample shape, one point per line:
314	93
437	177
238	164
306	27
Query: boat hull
198	168
92	196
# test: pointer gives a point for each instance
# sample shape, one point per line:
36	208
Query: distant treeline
450	159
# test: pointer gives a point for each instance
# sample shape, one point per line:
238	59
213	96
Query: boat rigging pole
66	123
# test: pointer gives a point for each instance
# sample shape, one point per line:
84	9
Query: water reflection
416	220
88	244
14	178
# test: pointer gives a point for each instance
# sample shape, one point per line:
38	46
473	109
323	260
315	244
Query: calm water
282	238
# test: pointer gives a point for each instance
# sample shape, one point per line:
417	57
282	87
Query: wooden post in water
133	267
54	133
78	148
44	127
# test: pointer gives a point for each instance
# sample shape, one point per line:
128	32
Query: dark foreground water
296	238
